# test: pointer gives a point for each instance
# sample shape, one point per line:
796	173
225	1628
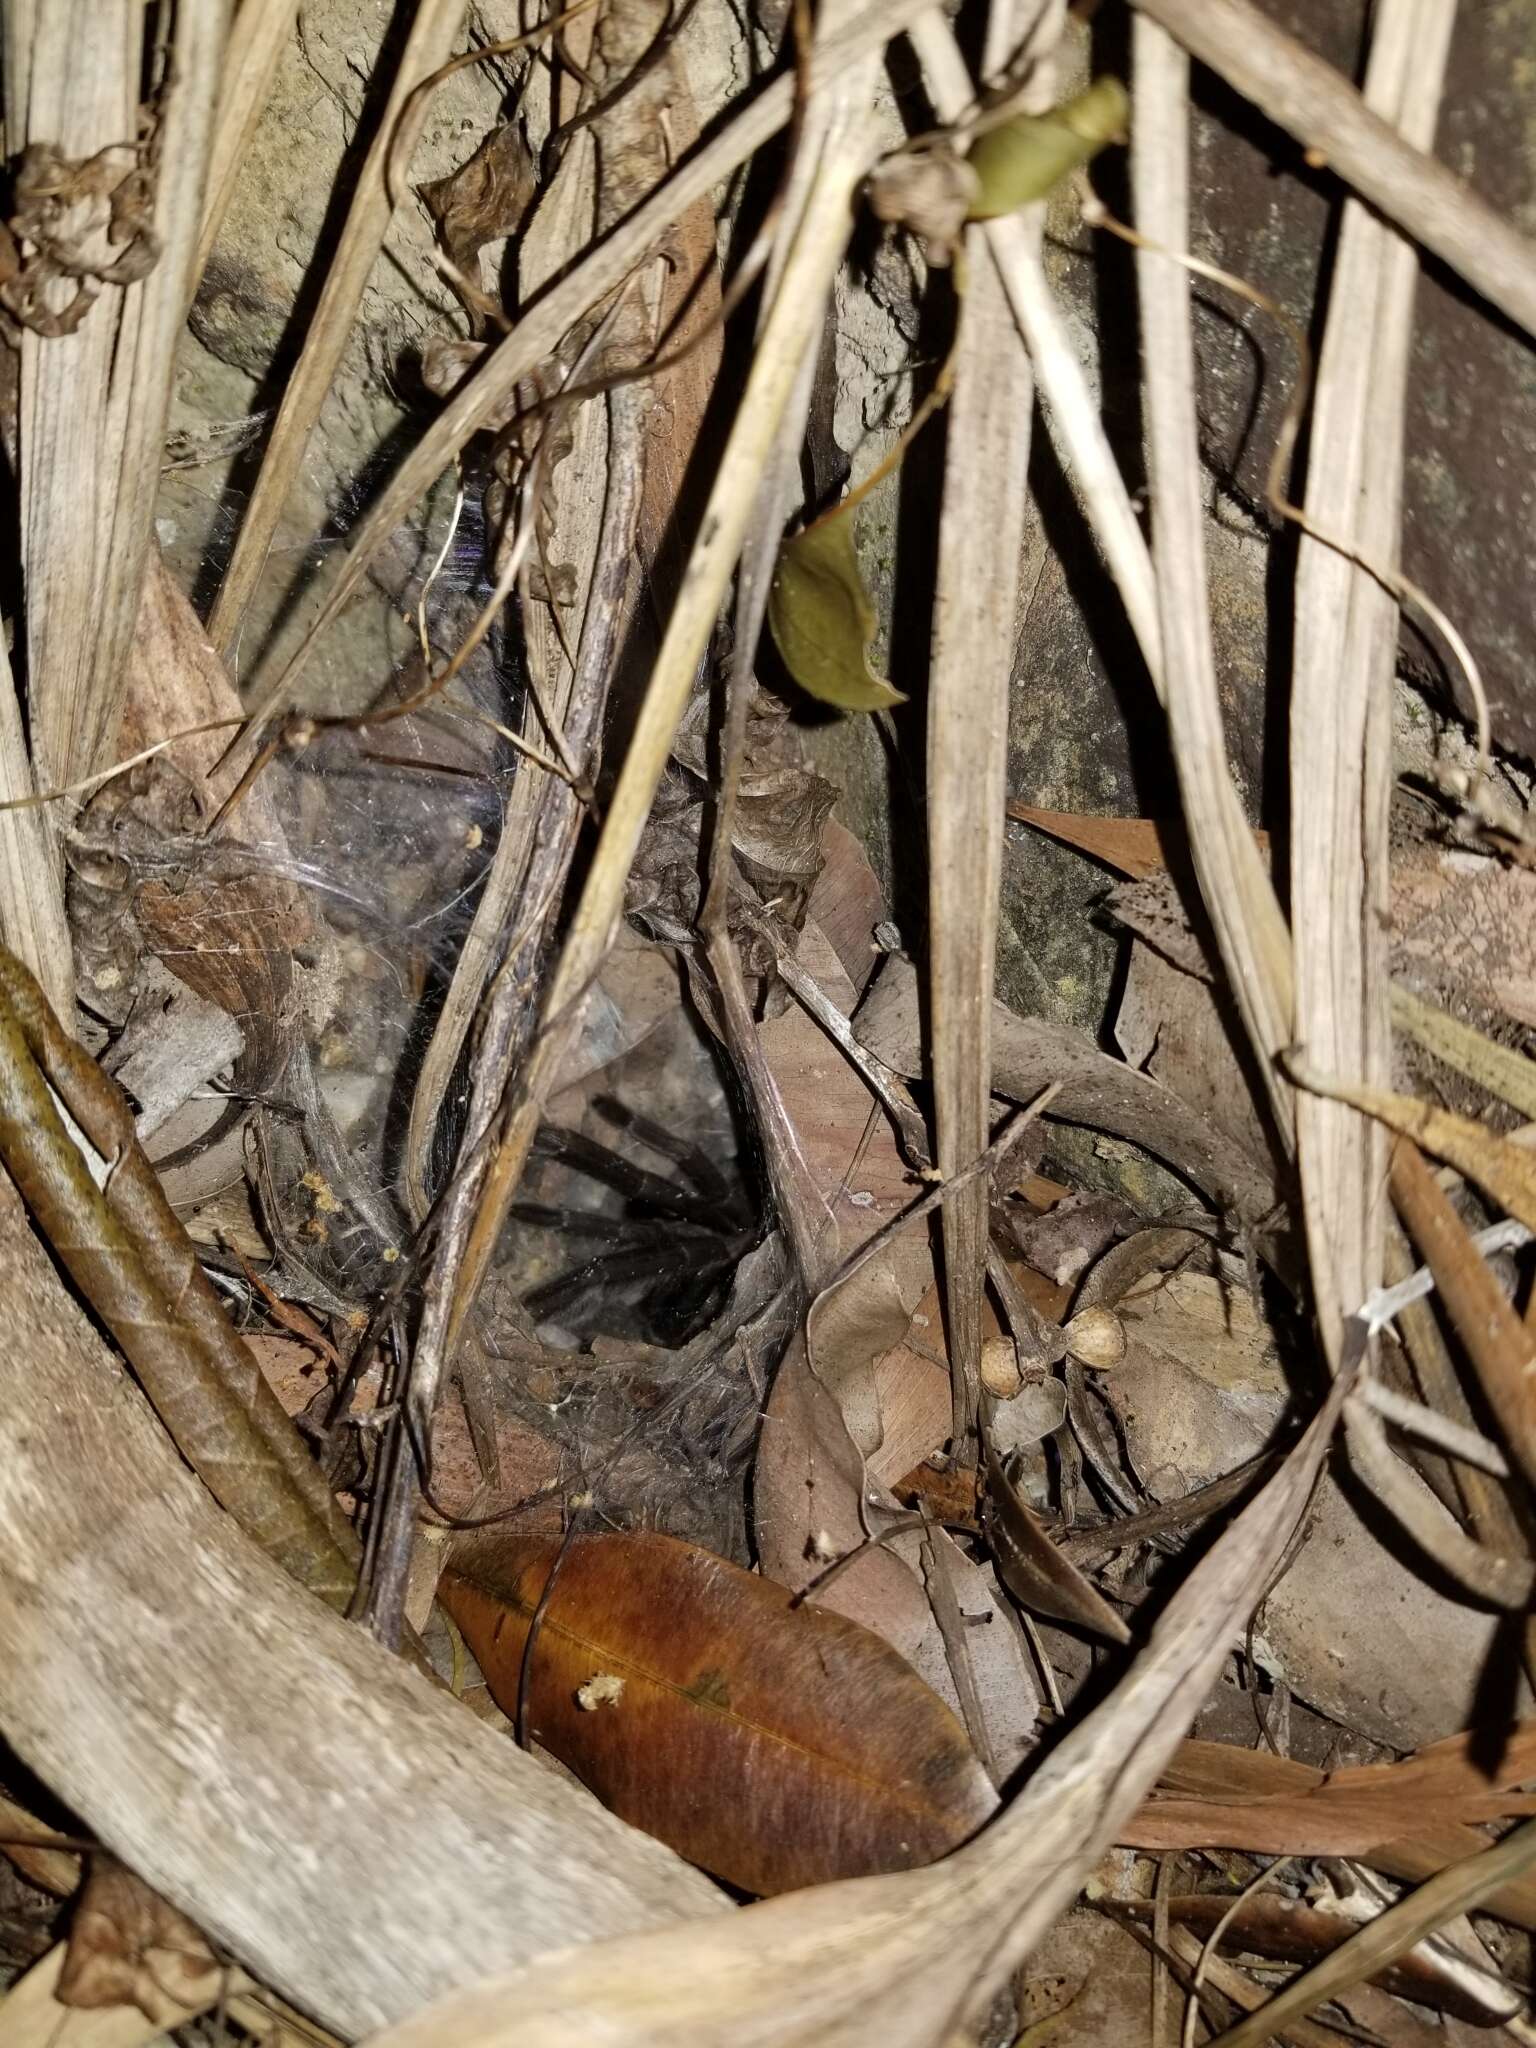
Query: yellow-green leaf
823	621
1022	159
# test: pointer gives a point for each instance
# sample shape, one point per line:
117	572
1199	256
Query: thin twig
1501	1348
1390	1935
1213	1942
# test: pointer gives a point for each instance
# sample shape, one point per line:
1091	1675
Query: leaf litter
858	1426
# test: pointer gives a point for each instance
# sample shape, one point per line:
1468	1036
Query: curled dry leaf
1035	1571
1022	159
822	618
480	203
1505	1171
777	1745
128	1946
1096	1337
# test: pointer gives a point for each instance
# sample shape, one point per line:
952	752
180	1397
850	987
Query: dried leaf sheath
130	1258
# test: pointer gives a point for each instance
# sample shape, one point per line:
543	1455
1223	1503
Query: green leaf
1021	160
823	621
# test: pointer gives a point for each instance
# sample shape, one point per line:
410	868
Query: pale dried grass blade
433	31
1500	1069
32	921
1341	692
1311	101
910	1959
981	540
71	78
94	402
257	38
1239	895
1234	879
144	365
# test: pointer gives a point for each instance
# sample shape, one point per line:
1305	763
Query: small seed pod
1000	1373
1096	1338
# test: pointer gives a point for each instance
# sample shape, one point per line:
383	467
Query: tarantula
661	1267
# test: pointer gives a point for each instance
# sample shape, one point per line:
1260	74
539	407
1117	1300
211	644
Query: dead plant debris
887	1347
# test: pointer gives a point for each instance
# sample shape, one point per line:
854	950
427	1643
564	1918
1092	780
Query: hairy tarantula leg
650	1190
608	1269
692	1160
628	1233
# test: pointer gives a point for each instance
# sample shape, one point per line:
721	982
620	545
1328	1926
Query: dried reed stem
1311	101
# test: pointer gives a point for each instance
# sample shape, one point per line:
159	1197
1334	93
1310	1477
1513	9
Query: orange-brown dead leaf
775	1745
1137	847
1214	1795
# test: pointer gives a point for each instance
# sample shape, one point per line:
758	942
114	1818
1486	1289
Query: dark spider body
660	1268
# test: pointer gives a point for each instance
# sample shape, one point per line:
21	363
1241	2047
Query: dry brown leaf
128	1946
810	1488
866	1393
847	903
777	1745
1505	1171
689	310
1133	846
35	2014
1215	1796
1201	1390
912	1386
482	202
1035	1571
1183	1029
845	1138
